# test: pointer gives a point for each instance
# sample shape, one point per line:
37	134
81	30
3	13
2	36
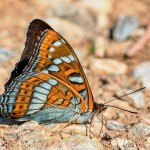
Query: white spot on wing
35	105
63	40
52	81
57	43
41	90
53	68
84	94
38	56
45	71
71	57
65	59
50	56
51	49
41	97
39	38
35	44
57	61
45	85
76	79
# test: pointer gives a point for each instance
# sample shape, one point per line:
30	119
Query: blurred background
110	37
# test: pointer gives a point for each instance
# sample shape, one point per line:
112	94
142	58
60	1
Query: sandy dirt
109	72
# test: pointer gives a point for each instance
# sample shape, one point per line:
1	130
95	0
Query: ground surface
86	26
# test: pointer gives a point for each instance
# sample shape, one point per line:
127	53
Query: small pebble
123	143
5	54
142	72
114	125
124	27
141	129
108	66
79	142
100	46
136	99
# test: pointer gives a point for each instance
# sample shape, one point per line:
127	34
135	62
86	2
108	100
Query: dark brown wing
34	31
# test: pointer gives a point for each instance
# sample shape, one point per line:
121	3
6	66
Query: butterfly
48	84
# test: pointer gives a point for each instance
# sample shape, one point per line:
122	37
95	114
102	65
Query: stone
100	46
142	72
31	135
79	142
5	54
124	27
123	144
136	99
108	66
141	129
114	125
74	130
96	126
75	14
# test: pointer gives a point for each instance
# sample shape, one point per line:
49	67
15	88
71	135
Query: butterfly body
48	83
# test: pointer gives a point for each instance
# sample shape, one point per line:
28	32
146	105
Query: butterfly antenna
122	109
125	95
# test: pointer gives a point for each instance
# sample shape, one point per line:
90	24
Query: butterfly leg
88	130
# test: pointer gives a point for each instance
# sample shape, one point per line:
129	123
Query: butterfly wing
34	32
47	54
54	54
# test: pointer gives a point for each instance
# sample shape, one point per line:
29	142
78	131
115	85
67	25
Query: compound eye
100	109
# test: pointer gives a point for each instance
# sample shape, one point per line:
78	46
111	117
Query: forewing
35	29
55	56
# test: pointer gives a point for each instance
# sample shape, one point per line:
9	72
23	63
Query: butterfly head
100	107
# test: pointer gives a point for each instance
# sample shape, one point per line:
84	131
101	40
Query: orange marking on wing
43	76
50	37
37	69
65	103
17	114
22	103
59	96
46	40
53	34
44	54
42	63
25	92
52	97
23	99
20	107
69	94
70	71
25	85
44	46
79	87
33	80
83	107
